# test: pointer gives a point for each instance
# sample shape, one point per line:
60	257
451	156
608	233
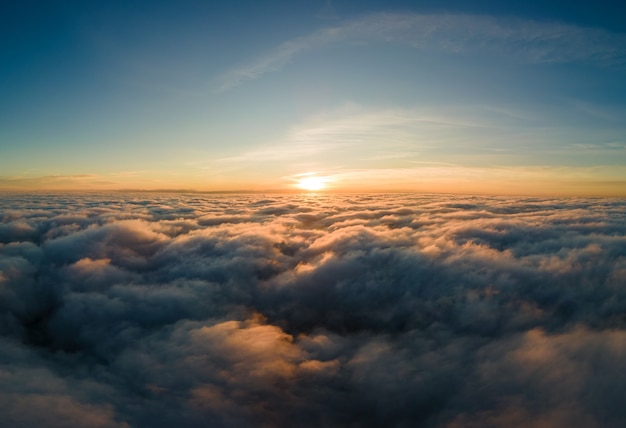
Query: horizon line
305	192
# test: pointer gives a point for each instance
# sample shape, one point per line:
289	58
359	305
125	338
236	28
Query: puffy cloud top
155	310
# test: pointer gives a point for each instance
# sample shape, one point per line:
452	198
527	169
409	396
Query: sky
417	96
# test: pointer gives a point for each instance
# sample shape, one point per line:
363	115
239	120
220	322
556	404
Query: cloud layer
155	310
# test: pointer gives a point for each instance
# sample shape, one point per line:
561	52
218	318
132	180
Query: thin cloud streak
522	40
434	177
470	137
350	126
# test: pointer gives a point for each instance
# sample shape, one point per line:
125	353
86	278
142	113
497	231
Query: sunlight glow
312	183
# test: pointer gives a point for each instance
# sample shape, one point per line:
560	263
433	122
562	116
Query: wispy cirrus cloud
467	135
353	127
420	176
522	40
50	182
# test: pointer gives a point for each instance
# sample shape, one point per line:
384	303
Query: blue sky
411	96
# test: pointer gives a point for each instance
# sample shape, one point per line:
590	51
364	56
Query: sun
312	183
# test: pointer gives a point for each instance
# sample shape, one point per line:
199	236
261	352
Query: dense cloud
155	310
